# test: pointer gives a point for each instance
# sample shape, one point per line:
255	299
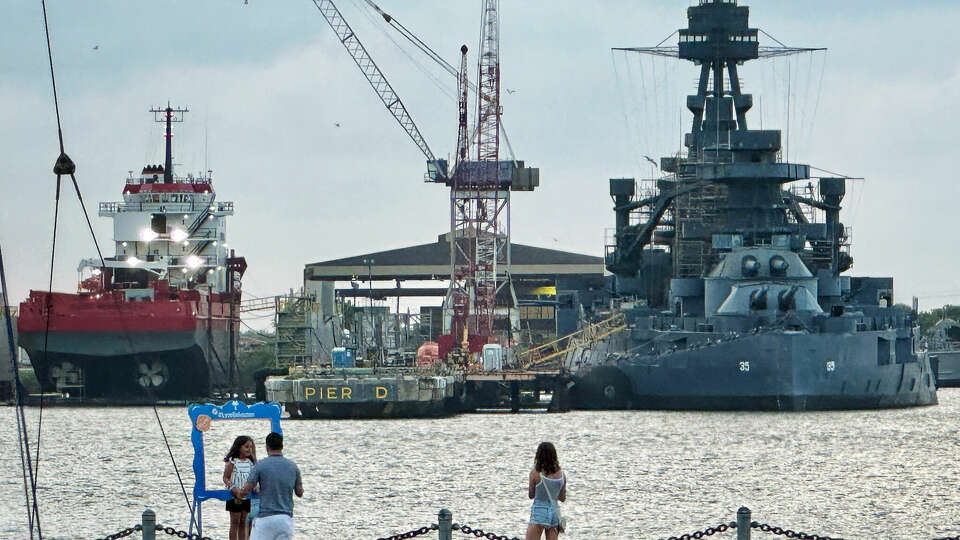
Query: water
632	474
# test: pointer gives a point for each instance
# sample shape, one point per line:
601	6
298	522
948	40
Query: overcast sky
267	83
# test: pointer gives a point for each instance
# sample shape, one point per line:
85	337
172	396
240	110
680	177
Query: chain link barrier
411	534
480	533
709	531
181	534
789	533
172	532
123	533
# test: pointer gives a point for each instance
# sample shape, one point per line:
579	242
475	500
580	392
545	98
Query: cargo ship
730	272
157	320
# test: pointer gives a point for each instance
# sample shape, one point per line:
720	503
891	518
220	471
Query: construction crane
480	205
479	190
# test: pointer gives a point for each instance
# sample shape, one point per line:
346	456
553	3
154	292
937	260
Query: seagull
509	91
336	124
96	47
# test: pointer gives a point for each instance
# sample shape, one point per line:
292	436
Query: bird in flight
510	91
96	47
336	124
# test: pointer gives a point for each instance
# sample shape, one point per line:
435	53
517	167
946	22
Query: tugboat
158	319
733	297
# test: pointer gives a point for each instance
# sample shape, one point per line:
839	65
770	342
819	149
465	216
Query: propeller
65	373
152	374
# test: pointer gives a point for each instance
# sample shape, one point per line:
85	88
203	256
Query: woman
547	482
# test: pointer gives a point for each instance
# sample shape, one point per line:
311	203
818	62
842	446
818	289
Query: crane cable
433	55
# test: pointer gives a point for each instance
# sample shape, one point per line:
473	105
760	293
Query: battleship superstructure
734	298
157	319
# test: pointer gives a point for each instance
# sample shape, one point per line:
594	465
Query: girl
547	485
239	462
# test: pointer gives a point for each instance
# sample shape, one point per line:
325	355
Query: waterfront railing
445	527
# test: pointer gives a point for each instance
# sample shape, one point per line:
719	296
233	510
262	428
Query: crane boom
373	74
425	49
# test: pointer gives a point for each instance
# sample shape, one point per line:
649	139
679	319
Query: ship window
158	223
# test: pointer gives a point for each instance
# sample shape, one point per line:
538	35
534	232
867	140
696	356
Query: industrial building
551	289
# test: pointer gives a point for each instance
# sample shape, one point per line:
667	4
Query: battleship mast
728	188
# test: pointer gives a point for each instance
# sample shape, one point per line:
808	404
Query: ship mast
169	115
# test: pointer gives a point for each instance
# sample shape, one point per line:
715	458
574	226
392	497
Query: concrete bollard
149	524
743	523
445	521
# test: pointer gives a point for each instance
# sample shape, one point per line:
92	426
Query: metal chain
412	534
789	533
709	531
181	534
480	533
123	533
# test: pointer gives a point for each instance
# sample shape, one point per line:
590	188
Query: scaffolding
296	321
696	216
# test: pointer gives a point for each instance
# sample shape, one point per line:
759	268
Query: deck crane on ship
479	189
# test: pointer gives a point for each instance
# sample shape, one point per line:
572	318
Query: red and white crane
479	189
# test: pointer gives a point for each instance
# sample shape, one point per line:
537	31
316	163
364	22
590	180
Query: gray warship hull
776	371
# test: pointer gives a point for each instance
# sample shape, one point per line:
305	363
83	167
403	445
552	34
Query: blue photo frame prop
231	410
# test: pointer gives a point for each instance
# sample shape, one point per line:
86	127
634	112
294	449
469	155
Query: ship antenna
170	115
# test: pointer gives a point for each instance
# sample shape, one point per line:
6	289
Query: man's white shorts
276	527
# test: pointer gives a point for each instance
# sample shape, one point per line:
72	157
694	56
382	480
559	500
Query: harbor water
632	474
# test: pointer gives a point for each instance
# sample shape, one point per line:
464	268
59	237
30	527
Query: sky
267	84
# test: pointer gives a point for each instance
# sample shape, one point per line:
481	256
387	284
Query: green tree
259	352
935	315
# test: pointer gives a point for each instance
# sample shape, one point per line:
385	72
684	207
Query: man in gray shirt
278	479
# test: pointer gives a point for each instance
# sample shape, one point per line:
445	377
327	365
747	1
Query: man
278	479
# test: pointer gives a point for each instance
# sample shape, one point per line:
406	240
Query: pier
481	385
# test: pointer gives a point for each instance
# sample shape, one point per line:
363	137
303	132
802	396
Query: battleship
731	297
157	319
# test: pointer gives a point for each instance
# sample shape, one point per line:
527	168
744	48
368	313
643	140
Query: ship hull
776	371
131	367
128	352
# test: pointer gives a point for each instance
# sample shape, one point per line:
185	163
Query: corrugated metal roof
438	253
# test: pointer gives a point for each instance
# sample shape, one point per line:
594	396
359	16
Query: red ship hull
115	346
